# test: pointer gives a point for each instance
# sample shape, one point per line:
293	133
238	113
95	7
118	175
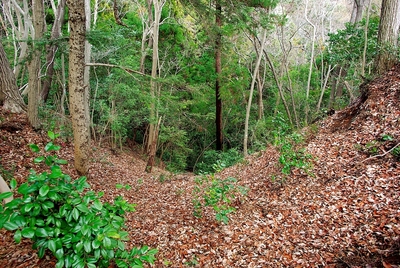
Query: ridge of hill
344	213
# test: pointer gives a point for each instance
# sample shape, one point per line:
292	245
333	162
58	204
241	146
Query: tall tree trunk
388	34
260	87
330	68
34	81
280	89
77	89
218	71
154	87
253	81
86	75
20	31
8	86
52	49
147	41
311	63
364	58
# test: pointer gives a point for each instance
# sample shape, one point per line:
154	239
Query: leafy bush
216	193
62	216
291	157
214	161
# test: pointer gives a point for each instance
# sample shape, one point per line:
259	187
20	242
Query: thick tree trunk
8	86
218	71
388	35
77	90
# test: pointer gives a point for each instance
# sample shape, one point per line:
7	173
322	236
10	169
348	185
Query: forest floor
345	212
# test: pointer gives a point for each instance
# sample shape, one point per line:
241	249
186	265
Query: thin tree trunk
218	71
253	81
311	63
279	85
260	87
154	86
34	82
51	50
324	86
364	58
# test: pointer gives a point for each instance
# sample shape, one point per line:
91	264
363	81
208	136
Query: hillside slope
344	213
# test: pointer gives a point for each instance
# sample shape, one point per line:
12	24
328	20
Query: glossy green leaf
107	243
83	208
79	246
52	135
60	263
13	184
41	252
11	226
51	244
47	205
61	161
55	172
87	246
59	253
75	214
41	232
44	190
34	148
17	236
97	204
86	230
96	244
28	232
38	160
113	234
5	195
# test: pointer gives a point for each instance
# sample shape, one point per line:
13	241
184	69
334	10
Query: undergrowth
64	217
293	154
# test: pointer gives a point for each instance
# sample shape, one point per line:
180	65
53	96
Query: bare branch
126	69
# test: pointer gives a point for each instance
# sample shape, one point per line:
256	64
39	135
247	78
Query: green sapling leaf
34	148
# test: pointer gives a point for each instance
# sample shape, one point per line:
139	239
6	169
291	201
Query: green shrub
214	161
216	193
64	217
292	157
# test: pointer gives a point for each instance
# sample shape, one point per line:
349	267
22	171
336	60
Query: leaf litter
345	212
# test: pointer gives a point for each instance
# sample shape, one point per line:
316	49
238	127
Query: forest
193	133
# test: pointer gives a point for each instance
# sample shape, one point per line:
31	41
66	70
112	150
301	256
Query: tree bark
77	90
218	71
8	86
34	82
388	34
